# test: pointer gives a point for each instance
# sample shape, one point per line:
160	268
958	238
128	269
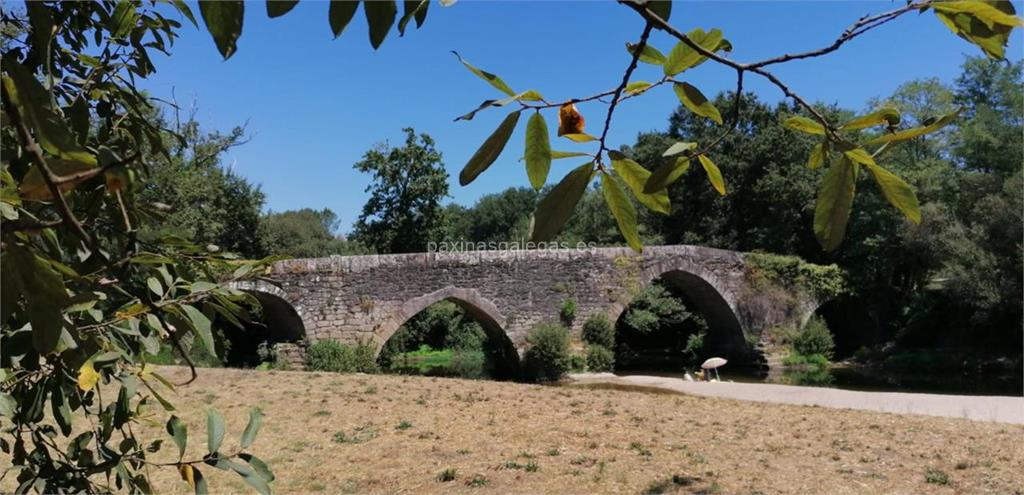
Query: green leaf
154	286
10	290
835	199
649	55
123	19
179	433
255	420
635	177
278	8
678	148
45	296
421	13
818	155
258	465
159	398
991	37
623	211
60	408
636	87
693	99
984	11
530	95
223	20
150	259
195	478
380	15
248	474
914	132
661	8
41	23
897	192
413	9
201	324
7	405
666	175
122	412
491	79
567	154
556	208
38	113
884	116
804	124
714	175
683	57
538	150
340	13
490	150
183	7
579	138
860	155
214	430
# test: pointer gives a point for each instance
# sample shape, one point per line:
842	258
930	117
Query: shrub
577	362
694	347
814	339
600	358
598	330
813	360
568	312
548	356
447	475
331	355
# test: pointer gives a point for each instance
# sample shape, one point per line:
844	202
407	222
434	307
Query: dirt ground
335	433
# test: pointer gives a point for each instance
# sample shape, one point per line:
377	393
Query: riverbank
350	433
974	408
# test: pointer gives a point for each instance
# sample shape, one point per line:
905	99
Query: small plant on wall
568	312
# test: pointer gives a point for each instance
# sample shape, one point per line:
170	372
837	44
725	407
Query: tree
304	233
201	200
404	211
497	217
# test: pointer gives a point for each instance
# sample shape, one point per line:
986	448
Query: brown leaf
569	120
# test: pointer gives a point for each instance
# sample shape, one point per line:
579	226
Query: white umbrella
713	364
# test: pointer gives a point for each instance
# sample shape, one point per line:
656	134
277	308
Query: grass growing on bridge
351	433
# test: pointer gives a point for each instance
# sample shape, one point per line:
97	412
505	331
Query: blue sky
314	104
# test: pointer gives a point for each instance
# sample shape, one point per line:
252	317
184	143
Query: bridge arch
281	322
705	294
482	309
851	321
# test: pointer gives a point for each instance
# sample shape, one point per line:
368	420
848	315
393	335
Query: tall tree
404	211
205	202
304	233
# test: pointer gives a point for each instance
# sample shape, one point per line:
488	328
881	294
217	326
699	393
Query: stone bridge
366	298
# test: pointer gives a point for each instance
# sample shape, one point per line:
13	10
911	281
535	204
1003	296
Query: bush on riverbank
331	355
598	330
600	359
815	338
547	359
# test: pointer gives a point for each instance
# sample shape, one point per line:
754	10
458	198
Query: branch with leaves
986	24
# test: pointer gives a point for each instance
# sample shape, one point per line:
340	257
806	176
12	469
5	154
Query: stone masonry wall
366	298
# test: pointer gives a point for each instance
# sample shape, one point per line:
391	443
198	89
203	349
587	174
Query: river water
875	380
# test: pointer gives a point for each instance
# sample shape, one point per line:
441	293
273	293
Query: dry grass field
332	433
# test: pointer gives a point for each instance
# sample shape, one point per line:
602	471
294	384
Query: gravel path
977	408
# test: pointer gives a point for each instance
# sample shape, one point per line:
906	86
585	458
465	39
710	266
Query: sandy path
977	408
